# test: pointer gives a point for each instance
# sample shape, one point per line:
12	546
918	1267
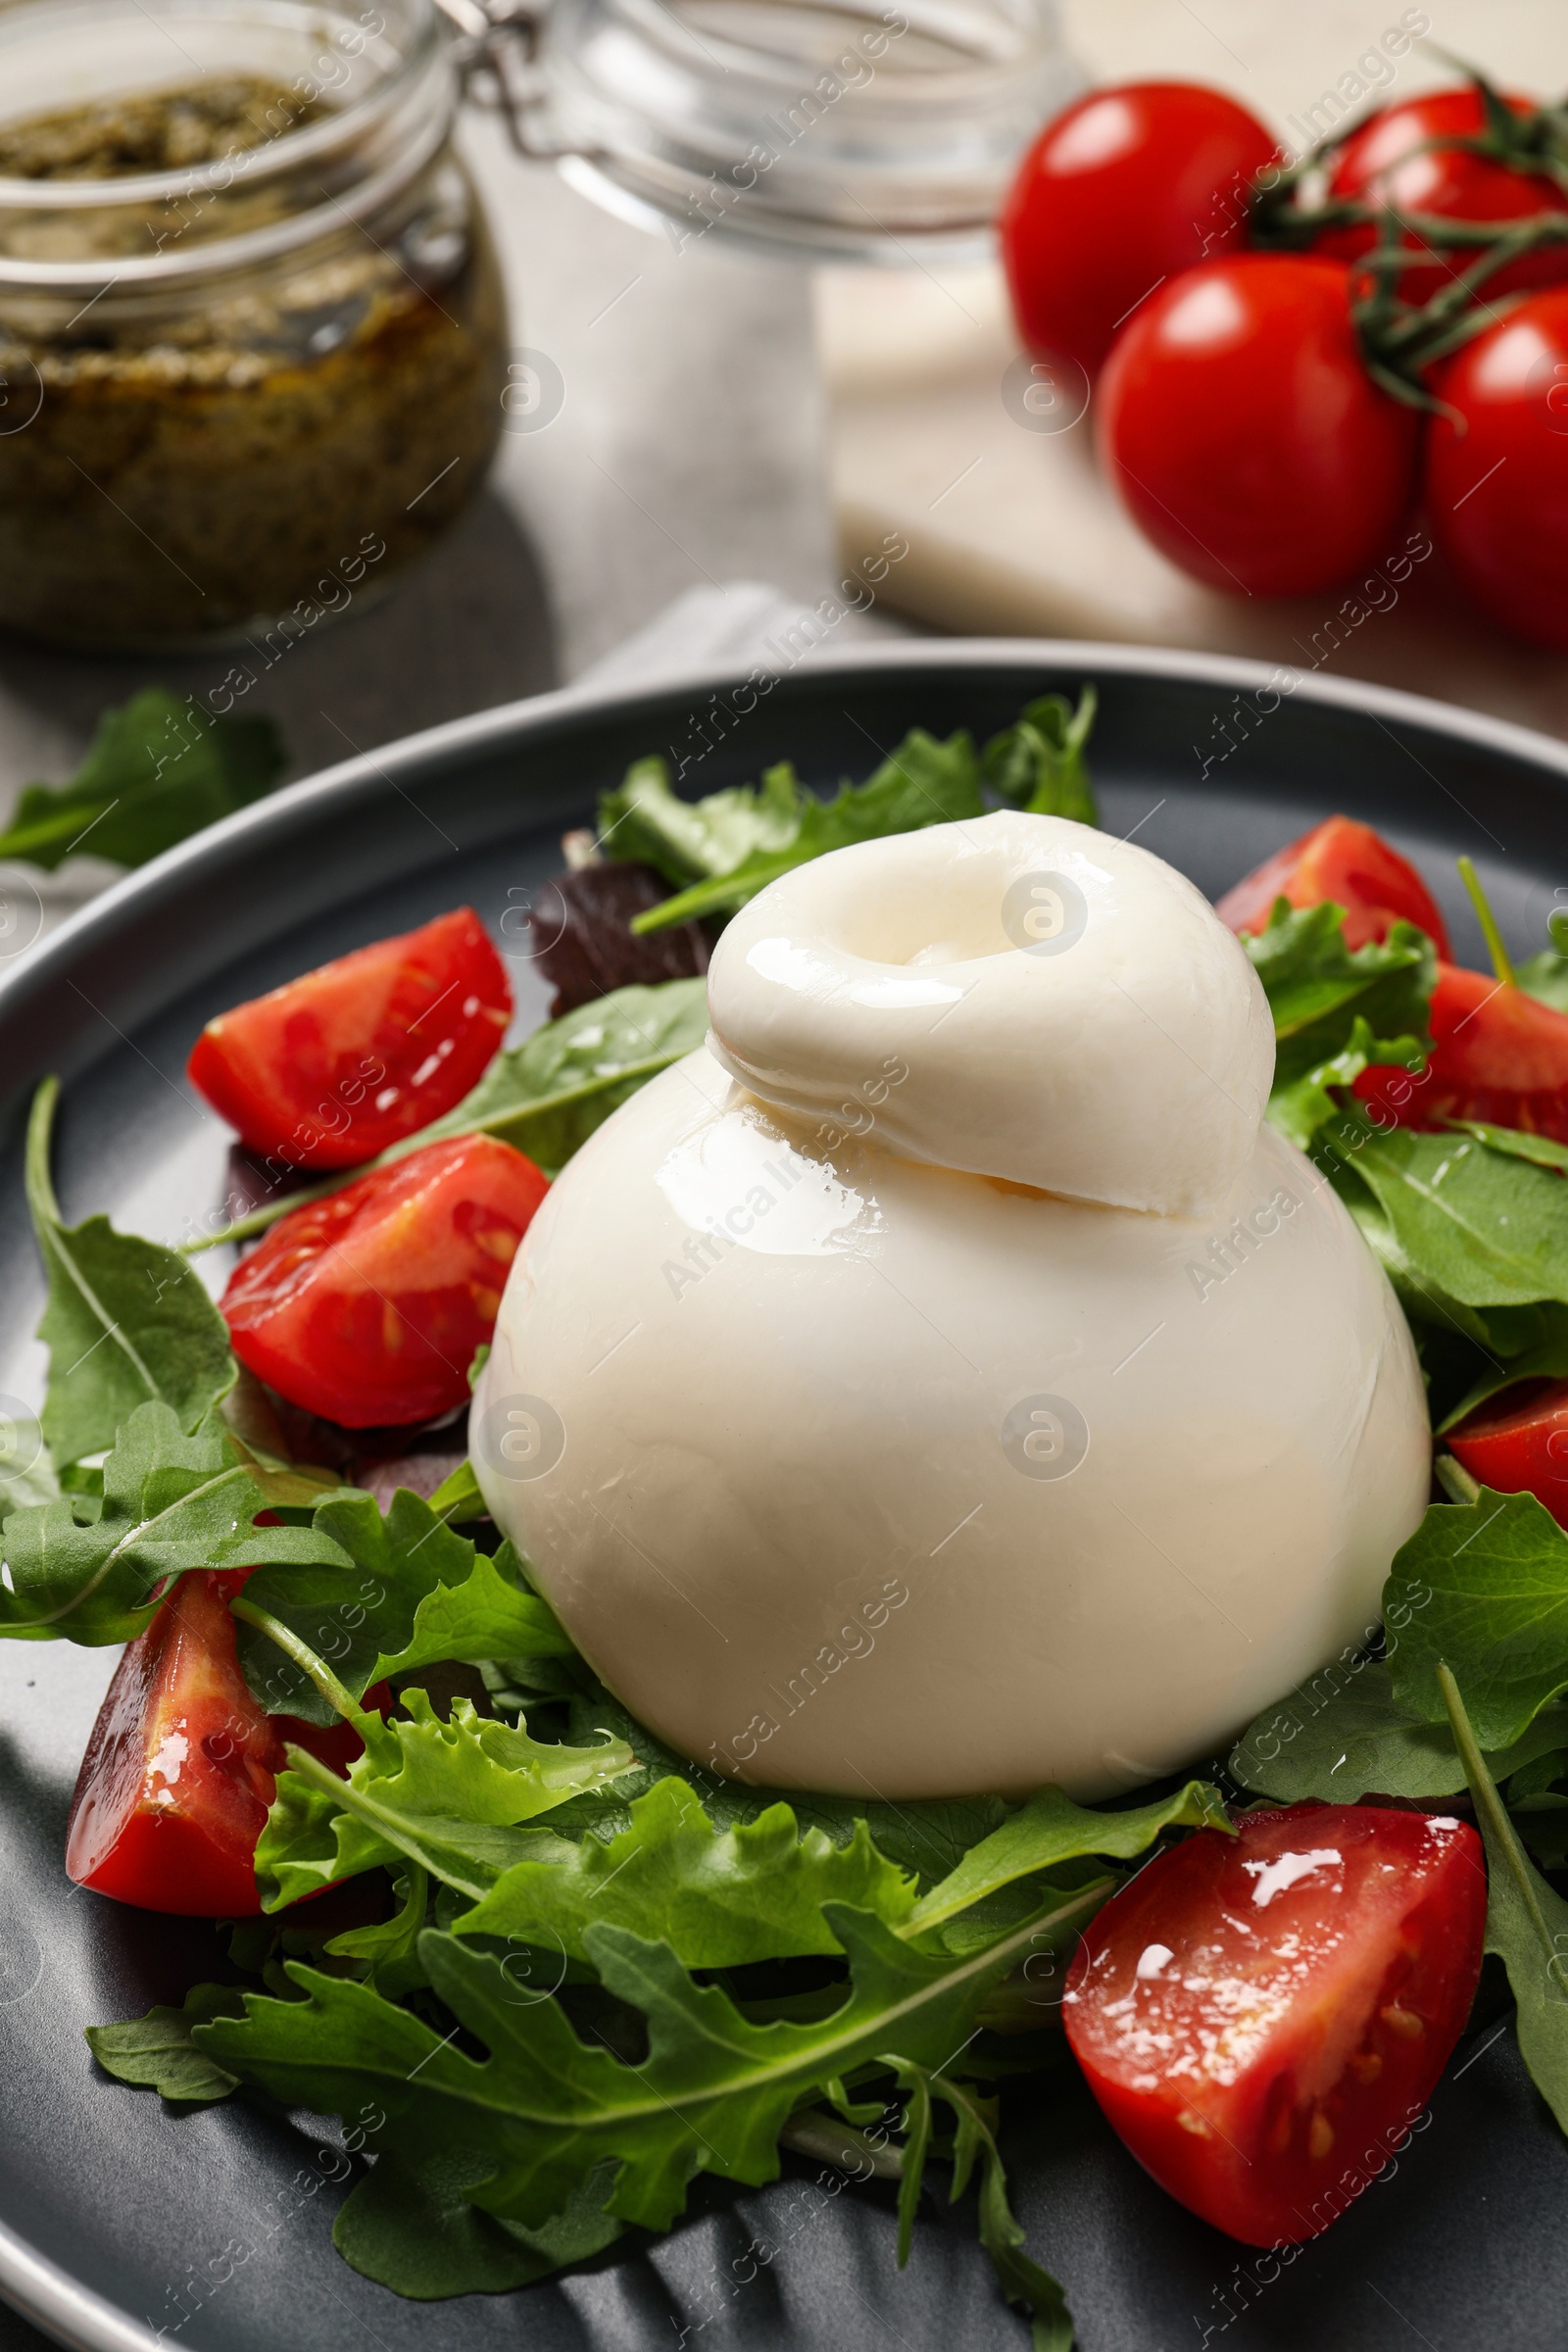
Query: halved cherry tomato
178	1774
1497	1055
367	1307
1263	2018
1388	162
1350	864
1498	478
1243	434
329	1070
1517	1444
1123	191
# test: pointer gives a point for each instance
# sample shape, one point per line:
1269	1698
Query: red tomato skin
1517	1444
1378	165
1127	188
179	1771
1349	863
1497	1055
1267	2069
1244	434
329	1070
1498	486
367	1307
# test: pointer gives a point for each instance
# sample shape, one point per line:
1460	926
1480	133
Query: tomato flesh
329	1070
1498	1055
178	1774
1263	2018
1243	434
1350	864
1498	478
1517	1444
1388	163
367	1307
1127	188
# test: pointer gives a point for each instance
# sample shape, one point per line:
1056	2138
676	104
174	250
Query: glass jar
252	330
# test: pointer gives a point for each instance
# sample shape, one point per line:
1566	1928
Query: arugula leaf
1299	1109
546	2109
719	1899
361	1609
1022	2280
925	1835
1483	1588
389	1946
1526	1921
689	841
1487	1228
1343	1735
446	1796
156	771
1514	1141
157	2051
92	1572
1051	1829
1546	976
1038	764
127	1321
410	2224
1318	986
922	783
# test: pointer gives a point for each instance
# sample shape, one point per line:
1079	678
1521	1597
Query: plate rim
39	2290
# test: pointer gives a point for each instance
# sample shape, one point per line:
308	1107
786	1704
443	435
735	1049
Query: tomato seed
1320	2134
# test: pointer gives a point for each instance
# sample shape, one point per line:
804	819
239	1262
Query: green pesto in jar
182	460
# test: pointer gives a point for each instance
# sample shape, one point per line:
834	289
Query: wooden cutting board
1009	527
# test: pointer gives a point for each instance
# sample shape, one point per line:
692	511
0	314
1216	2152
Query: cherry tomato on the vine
1121	192
330	1069
1387	161
179	1771
1349	863
1243	433
1517	1444
1498	1055
367	1307
1263	2018
1498	478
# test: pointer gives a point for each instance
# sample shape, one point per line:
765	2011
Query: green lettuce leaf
448	1797
90	1569
690	841
1038	764
487	1616
157	2052
718	1898
127	1322
1318	986
1546	976
1482	1588
922	783
387	1949
1526	1923
1343	1735
156	771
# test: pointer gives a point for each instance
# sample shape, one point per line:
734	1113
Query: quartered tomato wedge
1263	2018
367	1307
328	1071
178	1774
1499	1055
1350	864
1517	1444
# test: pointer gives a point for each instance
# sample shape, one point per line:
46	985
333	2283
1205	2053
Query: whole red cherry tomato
1386	162
367	1307
1517	1444
1243	434
330	1069
179	1771
1498	1055
1263	2018
1350	864
1126	189
1498	481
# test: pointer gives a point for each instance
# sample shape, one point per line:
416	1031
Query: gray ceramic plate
121	2226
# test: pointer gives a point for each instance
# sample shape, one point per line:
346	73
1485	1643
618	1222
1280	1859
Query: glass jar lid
840	129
